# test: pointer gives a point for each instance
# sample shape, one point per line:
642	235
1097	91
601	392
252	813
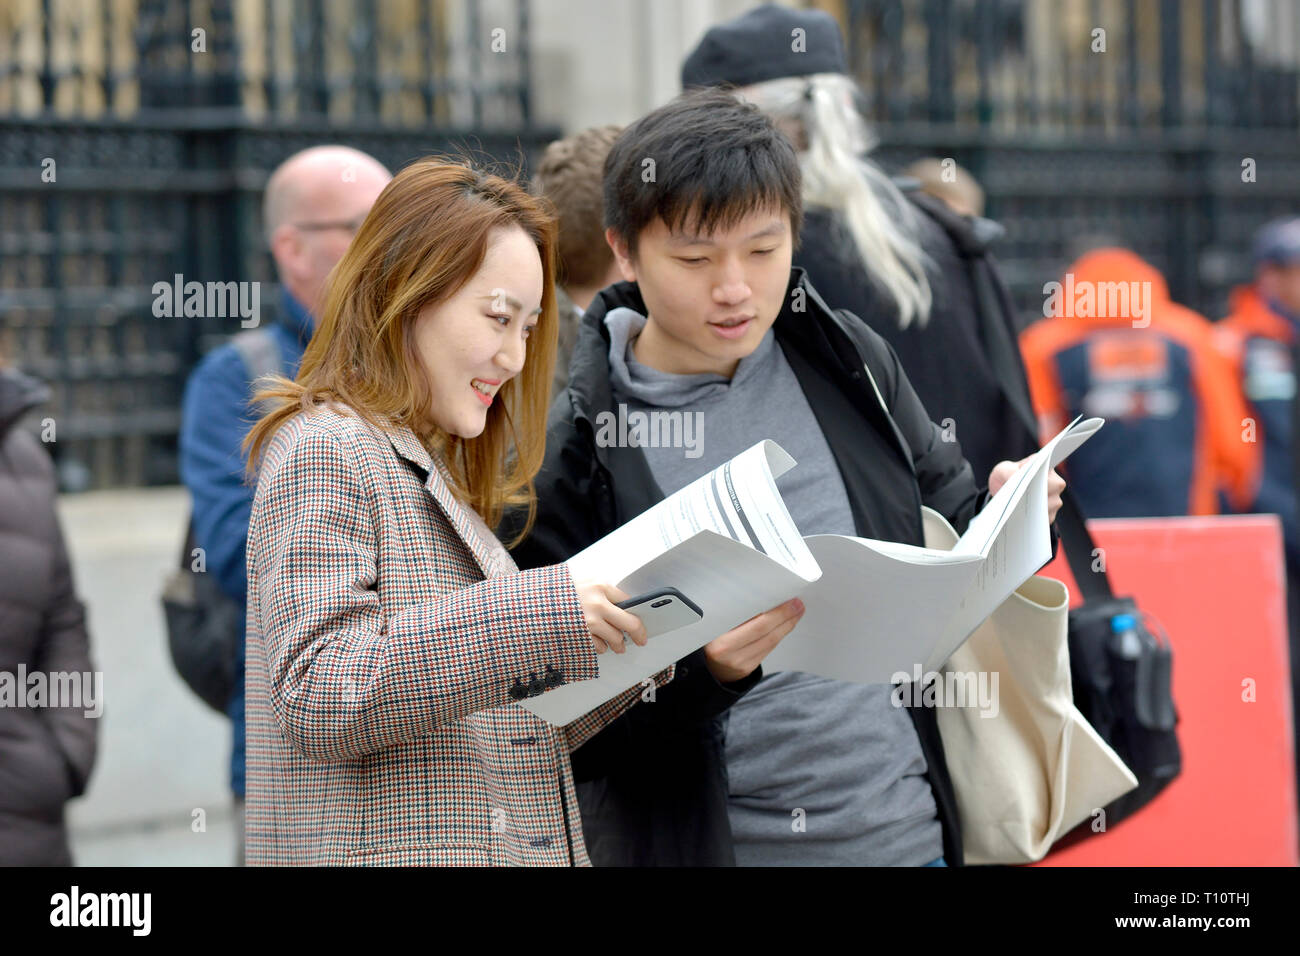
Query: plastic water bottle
1125	641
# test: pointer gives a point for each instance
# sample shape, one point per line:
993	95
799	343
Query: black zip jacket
652	785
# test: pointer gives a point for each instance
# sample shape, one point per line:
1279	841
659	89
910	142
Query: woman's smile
484	389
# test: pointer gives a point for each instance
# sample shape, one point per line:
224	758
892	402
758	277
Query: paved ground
159	793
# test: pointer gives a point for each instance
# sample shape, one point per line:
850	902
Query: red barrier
1218	588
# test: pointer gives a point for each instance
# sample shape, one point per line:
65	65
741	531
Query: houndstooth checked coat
386	626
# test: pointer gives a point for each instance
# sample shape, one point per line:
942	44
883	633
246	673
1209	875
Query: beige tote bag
1034	767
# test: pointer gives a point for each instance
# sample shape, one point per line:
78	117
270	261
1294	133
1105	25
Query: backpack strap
187	549
259	352
1079	548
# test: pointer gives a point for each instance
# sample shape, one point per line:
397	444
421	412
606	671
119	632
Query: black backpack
1126	693
203	622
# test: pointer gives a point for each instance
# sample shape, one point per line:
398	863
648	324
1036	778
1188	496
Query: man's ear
622	259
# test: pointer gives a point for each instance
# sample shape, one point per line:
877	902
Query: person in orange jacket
1260	339
1114	345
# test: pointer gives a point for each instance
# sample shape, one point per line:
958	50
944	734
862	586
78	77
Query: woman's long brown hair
424	238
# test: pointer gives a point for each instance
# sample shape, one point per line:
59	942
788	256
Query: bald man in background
314	203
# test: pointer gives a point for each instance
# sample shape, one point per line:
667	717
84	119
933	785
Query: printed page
1014	535
730	581
986	526
882	608
1022	545
738	500
874	608
875	611
726	541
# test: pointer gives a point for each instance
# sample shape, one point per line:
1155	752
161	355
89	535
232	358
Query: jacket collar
296	317
18	394
437	481
589	387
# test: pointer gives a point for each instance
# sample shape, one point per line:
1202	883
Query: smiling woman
389	633
484	328
445	256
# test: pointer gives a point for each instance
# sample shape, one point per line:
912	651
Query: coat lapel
437	484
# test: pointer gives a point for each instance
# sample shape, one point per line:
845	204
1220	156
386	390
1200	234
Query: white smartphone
663	610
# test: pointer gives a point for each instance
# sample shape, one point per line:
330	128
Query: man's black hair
716	160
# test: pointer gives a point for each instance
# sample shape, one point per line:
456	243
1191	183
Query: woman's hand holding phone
608	623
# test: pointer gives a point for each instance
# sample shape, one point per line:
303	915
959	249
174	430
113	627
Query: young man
702	204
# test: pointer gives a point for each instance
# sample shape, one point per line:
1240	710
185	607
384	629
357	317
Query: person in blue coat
314	203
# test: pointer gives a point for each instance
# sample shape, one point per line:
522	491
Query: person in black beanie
767	42
917	272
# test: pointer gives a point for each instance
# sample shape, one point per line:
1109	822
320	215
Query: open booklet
873	608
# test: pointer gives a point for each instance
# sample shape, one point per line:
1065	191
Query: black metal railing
1130	119
136	148
128	154
1099	65
400	62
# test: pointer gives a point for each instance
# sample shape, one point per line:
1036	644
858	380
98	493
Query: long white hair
819	113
